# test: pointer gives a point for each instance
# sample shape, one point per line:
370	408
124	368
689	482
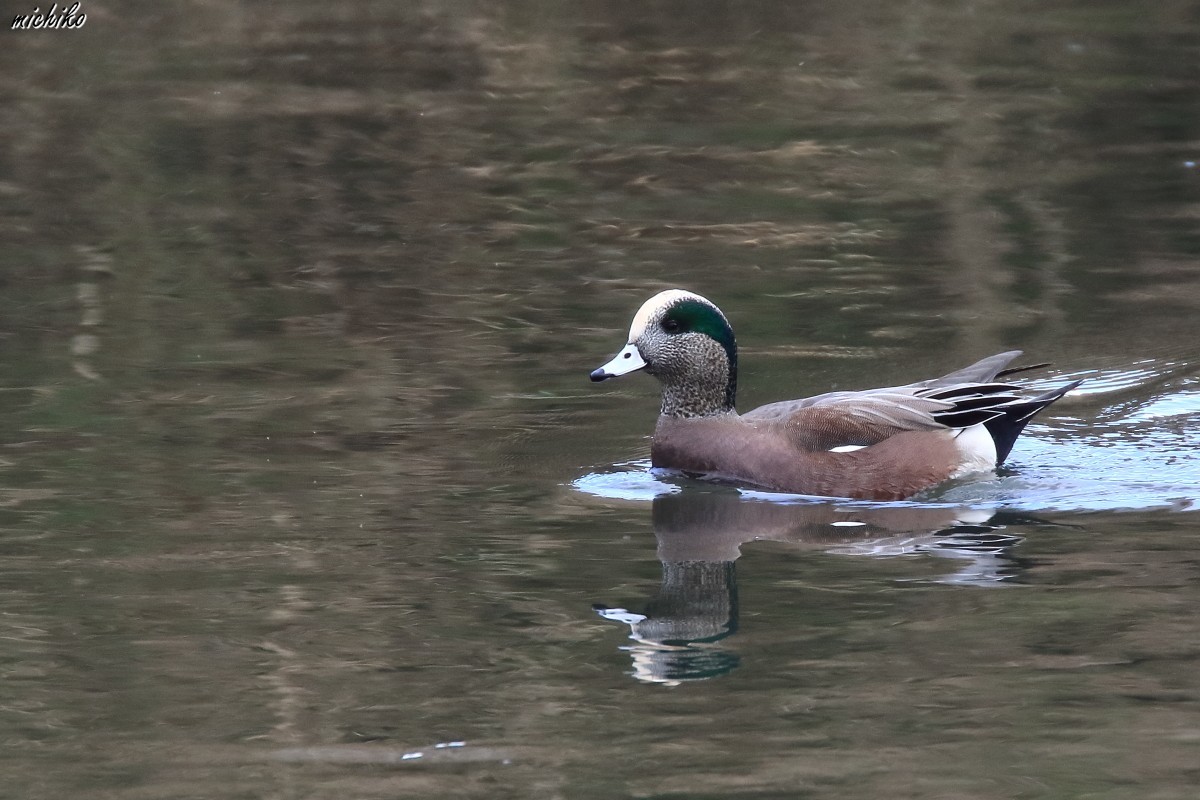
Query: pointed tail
1008	426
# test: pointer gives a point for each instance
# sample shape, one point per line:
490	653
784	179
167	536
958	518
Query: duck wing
859	421
985	370
966	397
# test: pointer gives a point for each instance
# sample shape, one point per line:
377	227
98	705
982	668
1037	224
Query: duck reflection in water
678	635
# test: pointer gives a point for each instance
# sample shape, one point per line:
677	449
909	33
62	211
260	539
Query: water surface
304	491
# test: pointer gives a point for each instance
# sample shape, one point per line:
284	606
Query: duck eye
671	325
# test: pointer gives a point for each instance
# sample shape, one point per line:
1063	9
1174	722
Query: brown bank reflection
679	635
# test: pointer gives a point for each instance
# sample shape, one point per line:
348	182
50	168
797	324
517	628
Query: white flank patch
977	450
847	448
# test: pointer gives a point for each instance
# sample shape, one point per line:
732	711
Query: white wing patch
847	448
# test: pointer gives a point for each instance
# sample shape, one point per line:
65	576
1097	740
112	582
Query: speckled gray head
686	342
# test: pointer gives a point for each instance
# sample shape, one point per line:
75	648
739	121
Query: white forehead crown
651	308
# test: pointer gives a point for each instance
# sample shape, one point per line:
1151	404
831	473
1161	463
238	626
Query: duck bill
627	361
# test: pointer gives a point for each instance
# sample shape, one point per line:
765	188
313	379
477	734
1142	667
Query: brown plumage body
878	444
767	455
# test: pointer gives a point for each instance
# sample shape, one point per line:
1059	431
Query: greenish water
304	491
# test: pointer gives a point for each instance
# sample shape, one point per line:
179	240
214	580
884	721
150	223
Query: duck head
687	343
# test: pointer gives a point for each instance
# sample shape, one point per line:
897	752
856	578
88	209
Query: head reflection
678	636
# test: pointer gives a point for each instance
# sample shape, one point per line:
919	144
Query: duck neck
707	391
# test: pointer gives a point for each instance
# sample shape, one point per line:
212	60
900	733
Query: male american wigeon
878	444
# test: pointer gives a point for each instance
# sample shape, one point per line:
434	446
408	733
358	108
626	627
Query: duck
877	444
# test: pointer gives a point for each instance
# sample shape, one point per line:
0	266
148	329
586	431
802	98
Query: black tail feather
968	390
1014	370
1006	427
